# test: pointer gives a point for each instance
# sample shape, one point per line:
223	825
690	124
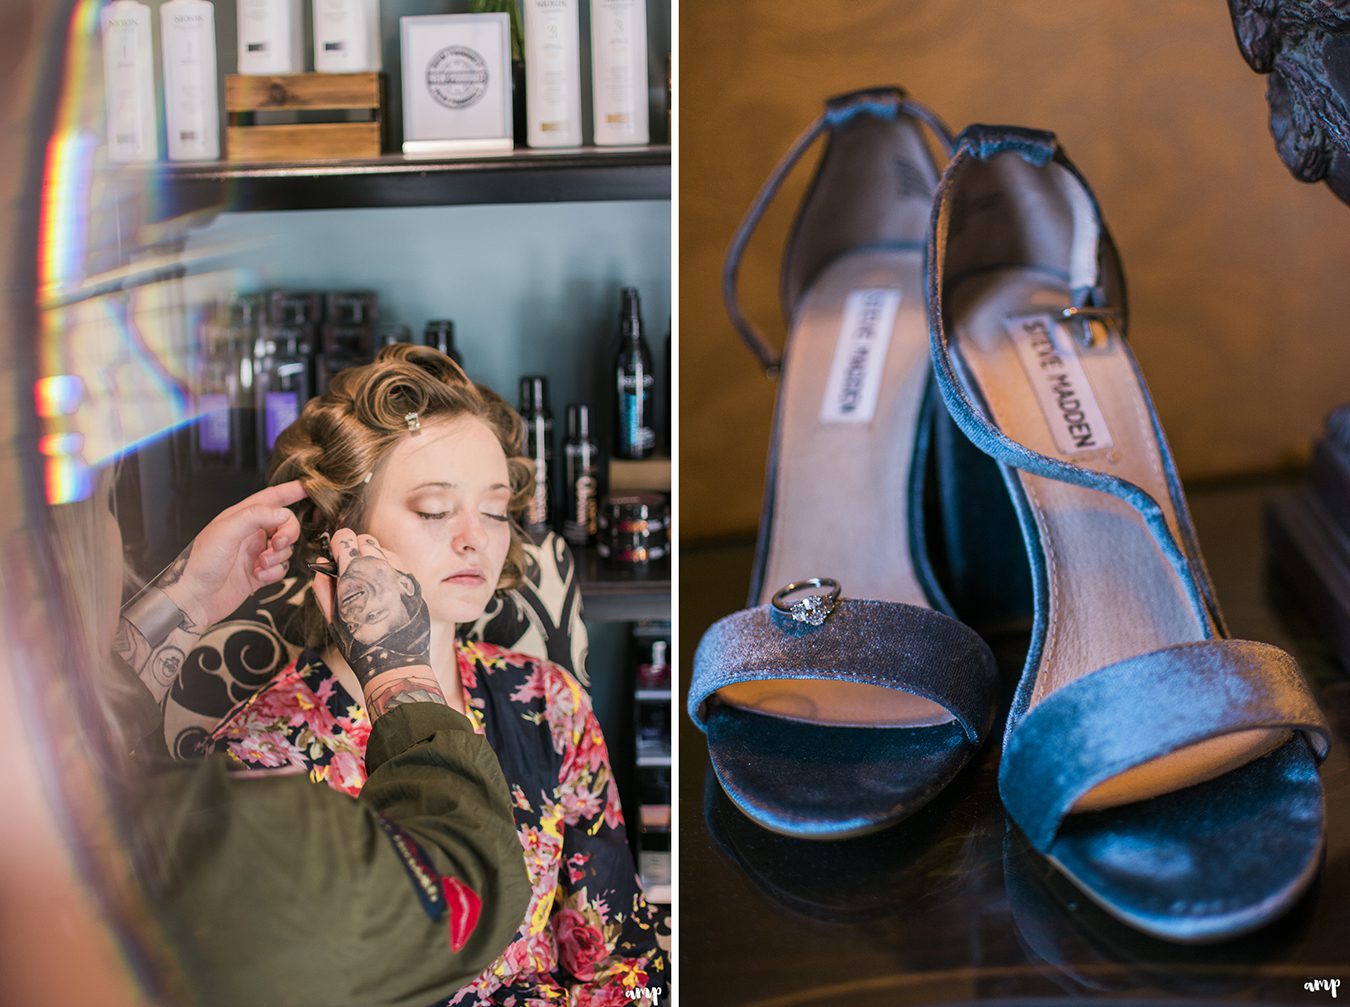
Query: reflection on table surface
952	906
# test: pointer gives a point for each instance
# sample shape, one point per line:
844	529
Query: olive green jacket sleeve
272	890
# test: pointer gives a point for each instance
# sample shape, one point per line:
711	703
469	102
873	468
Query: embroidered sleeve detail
465	907
421	874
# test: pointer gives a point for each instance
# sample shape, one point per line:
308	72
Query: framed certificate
456	84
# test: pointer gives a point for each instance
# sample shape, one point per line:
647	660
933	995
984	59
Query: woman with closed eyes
421	462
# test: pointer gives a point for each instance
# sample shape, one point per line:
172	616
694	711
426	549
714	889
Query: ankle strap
883	103
1096	284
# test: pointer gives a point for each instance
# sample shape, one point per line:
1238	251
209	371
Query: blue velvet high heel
843	700
1170	772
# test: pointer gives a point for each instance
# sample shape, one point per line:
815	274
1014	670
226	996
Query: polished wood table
951	906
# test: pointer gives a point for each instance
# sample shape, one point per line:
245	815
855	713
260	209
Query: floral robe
589	936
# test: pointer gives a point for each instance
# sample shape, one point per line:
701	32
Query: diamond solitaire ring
811	609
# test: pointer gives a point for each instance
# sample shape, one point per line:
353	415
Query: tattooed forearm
129	644
164	666
395	688
157	667
173	573
154	638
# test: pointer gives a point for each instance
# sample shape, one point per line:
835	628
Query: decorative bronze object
1304	45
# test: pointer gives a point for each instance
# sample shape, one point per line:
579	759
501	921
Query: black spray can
441	334
634	415
581	455
538	448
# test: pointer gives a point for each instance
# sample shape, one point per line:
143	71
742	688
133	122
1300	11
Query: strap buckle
1092	327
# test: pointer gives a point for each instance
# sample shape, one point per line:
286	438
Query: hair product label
552	73
619	71
129	80
191	88
271	37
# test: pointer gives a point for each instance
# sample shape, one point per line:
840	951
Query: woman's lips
466	578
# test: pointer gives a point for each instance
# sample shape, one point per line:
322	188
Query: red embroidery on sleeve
465	907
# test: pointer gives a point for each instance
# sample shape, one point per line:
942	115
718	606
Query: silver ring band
812	609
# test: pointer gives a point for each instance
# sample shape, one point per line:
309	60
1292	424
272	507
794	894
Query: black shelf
611	593
583	174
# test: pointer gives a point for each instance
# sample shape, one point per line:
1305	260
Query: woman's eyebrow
452	486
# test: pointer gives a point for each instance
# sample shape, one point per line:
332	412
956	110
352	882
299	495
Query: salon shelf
582	174
652	696
612	593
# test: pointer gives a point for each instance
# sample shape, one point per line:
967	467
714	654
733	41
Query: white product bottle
553	73
619	71
129	79
346	36
271	37
191	89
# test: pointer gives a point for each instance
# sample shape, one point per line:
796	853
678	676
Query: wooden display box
327	116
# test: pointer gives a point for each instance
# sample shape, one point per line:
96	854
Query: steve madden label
1048	356
860	356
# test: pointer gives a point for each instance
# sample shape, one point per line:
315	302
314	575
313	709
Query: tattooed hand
240	551
381	622
243	549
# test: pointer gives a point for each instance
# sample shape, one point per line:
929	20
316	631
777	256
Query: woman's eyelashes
443	514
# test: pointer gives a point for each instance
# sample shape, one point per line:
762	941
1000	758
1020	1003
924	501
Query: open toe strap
886	644
1144	707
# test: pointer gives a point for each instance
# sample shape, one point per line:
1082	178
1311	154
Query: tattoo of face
382	622
173	573
384	696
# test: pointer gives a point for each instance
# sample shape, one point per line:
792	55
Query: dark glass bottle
346	335
390	334
538	448
668	429
581	455
224	435
282	381
441	334
216	443
634	436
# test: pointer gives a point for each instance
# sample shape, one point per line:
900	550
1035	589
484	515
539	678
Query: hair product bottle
539	449
129	80
619	71
216	443
391	333
552	73
581	456
345	337
271	37
441	334
668	428
191	102
634	436
346	36
283	382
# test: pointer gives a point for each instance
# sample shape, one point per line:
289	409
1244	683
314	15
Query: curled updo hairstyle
344	435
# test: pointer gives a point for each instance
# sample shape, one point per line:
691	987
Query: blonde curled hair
343	436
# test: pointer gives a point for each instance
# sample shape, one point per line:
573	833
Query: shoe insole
1110	591
853	380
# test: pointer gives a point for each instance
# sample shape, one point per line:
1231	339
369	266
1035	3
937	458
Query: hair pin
368	475
414	422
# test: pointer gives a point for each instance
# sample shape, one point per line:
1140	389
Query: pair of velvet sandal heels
1168	770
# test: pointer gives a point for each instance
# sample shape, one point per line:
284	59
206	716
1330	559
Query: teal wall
531	288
